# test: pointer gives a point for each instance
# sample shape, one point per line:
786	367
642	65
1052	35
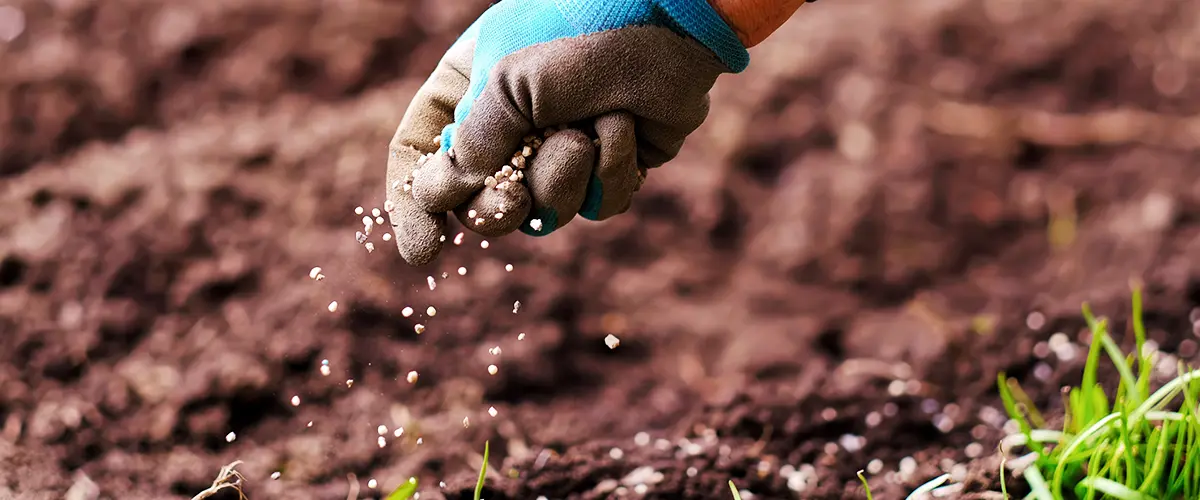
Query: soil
898	201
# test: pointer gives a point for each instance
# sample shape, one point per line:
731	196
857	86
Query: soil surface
896	202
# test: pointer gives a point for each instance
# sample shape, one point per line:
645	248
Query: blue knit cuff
706	25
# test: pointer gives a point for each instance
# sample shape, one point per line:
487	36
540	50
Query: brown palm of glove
644	89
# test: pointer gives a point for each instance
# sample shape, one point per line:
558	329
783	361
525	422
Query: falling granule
375	212
492	369
419	328
358	210
499	215
275	475
420	440
368	225
370	247
360	237
325	367
398	432
495	351
372	483
333	306
641	439
466	422
520	336
484	244
536	224
349	383
230	437
387	236
406	312
379	221
314	273
492	411
516	306
432	283
381	430
431	311
462	271
309	423
508	267
875	466
612	341
295	400
445	275
472	213
412	377
479	222
616	453
442	238
382	442
388	205
458	239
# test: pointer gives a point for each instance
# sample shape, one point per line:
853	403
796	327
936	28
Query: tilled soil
896	202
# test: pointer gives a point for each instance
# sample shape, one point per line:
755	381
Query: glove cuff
703	22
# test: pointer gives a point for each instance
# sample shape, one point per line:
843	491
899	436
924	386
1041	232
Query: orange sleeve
755	20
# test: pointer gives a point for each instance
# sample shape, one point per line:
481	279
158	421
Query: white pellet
508	267
412	379
358	210
387	236
520	336
333	306
484	244
466	422
370	247
462	271
431	311
495	351
382	442
398	432
325	370
516	306
479	221
379	221
388	205
372	483
432	283
458	239
381	430
275	475
230	437
493	369
406	312
375	212
536	224
471	213
612	341
492	411
419	328
316	271
295	400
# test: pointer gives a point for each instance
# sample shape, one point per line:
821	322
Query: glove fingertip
437	188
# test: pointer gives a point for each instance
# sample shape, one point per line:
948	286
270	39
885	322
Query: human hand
630	76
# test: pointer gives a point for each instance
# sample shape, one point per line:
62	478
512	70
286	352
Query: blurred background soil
897	201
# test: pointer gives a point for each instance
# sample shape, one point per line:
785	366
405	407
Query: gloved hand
634	73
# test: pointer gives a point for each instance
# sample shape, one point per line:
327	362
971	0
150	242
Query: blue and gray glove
629	78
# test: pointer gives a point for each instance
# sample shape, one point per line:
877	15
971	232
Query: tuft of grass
482	472
404	491
1135	445
736	495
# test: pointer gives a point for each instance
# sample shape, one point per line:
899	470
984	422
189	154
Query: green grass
482	472
1136	444
736	495
404	491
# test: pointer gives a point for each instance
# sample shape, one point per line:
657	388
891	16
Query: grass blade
404	491
1113	489
738	496
482	472
924	489
866	486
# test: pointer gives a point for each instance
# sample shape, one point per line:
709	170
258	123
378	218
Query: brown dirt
888	193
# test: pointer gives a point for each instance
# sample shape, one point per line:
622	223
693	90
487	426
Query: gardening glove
630	77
